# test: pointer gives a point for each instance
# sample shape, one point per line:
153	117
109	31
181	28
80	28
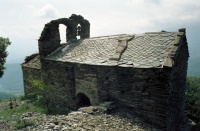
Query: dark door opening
82	100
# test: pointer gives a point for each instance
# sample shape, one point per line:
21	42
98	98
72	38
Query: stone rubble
4	126
87	118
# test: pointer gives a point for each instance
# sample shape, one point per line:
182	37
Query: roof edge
169	61
30	57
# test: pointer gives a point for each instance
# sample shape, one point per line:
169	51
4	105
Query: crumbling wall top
49	40
72	24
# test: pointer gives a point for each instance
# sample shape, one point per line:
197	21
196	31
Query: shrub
21	98
41	97
193	98
22	124
4	43
41	93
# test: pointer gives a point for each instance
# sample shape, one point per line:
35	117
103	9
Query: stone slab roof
33	63
148	50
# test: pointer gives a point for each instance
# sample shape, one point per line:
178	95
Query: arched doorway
82	100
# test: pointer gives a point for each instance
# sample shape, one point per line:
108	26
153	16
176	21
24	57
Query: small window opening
78	31
63	33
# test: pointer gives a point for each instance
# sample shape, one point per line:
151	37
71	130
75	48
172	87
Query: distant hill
5	95
194	66
12	81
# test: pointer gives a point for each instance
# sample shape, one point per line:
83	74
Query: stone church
144	72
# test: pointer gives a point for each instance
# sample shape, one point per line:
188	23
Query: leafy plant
41	97
41	92
4	42
193	97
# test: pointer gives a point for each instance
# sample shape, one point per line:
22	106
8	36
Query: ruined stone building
144	72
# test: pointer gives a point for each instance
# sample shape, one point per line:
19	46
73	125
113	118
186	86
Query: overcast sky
22	20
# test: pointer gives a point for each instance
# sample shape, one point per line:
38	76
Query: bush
22	124
4	43
41	93
21	98
193	98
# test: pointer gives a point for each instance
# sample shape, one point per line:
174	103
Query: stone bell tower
49	40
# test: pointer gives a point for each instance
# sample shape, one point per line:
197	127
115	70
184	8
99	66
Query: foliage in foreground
41	92
41	97
15	114
4	42
193	98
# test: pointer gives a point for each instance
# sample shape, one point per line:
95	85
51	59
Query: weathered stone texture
143	73
177	88
86	82
27	73
144	91
31	68
61	78
50	36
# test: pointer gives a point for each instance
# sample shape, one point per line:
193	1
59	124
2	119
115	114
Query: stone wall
178	75
144	91
27	73
61	77
86	82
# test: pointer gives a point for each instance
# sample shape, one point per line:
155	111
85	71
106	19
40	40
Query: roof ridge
106	36
158	32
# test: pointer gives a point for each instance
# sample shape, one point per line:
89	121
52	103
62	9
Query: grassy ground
12	116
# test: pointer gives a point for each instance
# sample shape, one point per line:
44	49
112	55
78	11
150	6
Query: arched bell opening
63	33
78	35
75	27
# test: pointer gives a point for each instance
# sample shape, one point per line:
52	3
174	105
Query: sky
23	21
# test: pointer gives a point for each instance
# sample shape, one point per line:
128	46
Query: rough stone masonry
146	73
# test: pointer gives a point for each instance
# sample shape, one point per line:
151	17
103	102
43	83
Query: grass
13	115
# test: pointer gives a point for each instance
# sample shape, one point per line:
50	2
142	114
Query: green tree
193	97
4	42
41	92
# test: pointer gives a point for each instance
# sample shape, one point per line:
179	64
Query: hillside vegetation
193	98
